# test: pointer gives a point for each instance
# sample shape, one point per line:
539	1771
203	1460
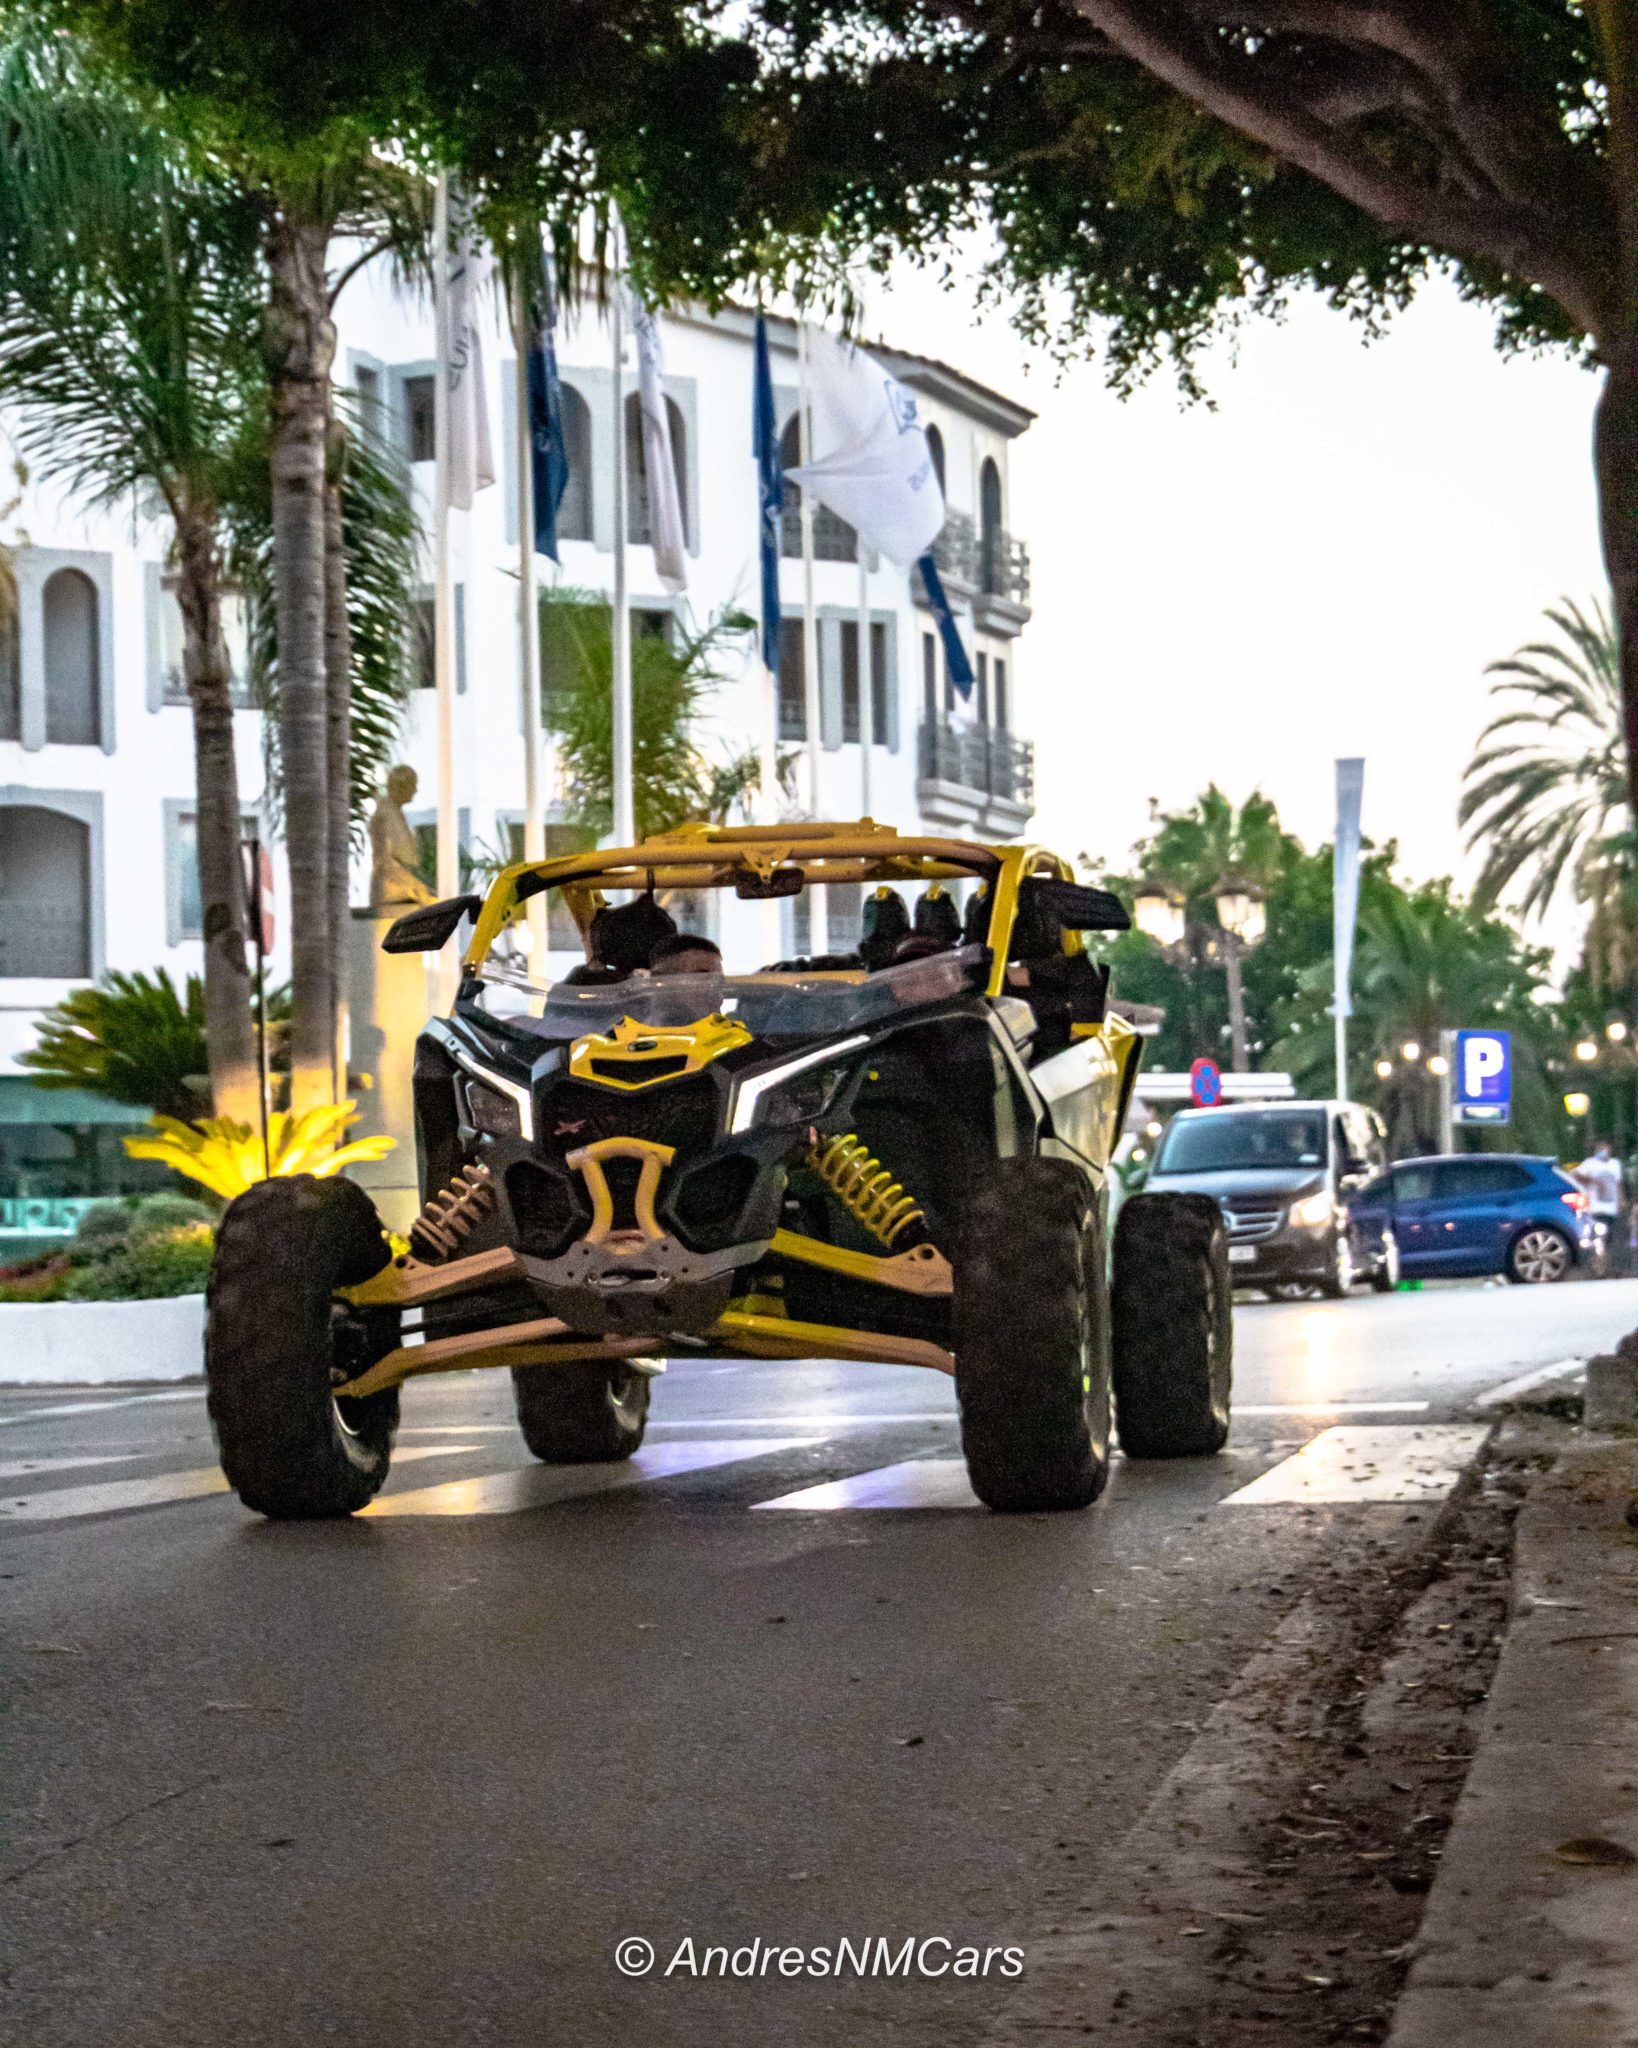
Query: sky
1321	564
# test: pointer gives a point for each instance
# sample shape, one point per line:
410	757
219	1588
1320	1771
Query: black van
1282	1173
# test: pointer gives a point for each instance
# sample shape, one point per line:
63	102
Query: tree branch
1193	62
351	270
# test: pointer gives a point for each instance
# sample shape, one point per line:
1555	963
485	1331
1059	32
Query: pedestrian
1600	1175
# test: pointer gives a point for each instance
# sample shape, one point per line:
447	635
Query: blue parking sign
1482	1086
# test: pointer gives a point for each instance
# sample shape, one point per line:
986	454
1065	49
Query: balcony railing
43	941
1003	566
979	758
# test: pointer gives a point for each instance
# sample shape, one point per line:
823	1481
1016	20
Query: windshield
679	954
1281	1140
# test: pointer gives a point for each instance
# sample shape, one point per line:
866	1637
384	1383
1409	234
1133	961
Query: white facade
96	766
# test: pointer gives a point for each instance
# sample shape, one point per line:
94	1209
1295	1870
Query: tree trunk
300	346
229	1038
1615	443
338	667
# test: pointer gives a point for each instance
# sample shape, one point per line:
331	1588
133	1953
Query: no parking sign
1205	1084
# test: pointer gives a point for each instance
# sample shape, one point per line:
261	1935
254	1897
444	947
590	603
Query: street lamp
1577	1104
1384	1070
1615	1031
1410	1051
1439	1065
1157	911
1586	1049
1241	909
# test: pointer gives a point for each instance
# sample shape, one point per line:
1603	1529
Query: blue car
1482	1212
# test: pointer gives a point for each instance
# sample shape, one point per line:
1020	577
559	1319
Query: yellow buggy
894	1151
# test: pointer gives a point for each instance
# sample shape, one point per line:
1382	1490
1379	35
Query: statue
395	883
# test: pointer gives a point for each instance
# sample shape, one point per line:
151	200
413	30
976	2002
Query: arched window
990	541
574	513
73	664
45	895
639	525
833	539
935	448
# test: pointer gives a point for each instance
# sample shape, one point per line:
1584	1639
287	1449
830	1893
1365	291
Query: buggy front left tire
291	1450
1031	1331
584	1413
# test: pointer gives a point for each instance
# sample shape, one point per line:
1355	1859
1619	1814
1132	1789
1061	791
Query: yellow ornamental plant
228	1157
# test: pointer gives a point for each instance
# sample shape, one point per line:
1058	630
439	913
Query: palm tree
129	297
1546	793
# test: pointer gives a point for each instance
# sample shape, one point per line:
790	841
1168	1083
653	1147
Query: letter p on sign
1484	1077
1481	1058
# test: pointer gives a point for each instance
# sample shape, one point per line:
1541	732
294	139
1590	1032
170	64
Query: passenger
687	953
623	938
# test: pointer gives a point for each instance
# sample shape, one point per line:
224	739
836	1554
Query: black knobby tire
587	1413
1173	1327
1030	1323
289	1448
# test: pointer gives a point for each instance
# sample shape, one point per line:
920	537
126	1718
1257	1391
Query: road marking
539	1486
1528	1382
1394	1463
87	1407
799	1420
70	1503
917	1483
25	1468
1331	1407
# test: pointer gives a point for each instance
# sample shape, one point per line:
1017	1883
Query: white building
96	765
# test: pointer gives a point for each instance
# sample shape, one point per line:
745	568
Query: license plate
1242	1254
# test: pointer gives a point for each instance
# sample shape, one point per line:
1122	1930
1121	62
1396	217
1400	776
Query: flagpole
443	594
625	822
818	922
534	816
867	693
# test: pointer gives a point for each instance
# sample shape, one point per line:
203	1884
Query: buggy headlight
500	1107
1313	1211
795	1092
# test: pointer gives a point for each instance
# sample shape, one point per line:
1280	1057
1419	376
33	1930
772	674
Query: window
11	677
424	651
1283	1139
420	419
73	666
574	511
833	539
235	633
639	519
929	678
367	383
1467	1178
793	711
652	623
989	524
983	689
186	919
45	895
878	680
998	673
935	448
1412	1183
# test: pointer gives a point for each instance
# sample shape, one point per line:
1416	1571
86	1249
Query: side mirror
751	887
1078	908
430	925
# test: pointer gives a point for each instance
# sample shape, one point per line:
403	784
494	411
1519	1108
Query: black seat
975	922
937	916
885	922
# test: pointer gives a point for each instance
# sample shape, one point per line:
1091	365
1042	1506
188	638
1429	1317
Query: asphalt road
411	1779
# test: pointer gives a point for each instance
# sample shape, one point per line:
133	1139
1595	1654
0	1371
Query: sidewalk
1530	1938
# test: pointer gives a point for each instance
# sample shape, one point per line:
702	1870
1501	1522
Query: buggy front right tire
585	1413
291	1450
1173	1327
1030	1324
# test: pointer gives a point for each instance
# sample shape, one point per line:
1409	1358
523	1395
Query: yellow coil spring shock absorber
864	1187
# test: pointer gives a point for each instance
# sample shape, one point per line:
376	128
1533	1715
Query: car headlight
795	1092
1313	1210
495	1105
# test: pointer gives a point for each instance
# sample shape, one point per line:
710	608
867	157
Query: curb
91	1343
1521	1946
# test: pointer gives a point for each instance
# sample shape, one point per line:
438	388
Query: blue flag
770	483
549	454
955	655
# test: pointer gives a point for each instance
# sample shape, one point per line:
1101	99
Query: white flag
871	464
665	520
1345	882
471	459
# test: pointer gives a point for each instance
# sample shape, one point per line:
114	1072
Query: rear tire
1539	1256
587	1413
1173	1327
1030	1323
1385	1276
1338	1283
290	1449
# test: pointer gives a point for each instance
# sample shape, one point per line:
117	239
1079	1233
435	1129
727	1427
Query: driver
687	953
